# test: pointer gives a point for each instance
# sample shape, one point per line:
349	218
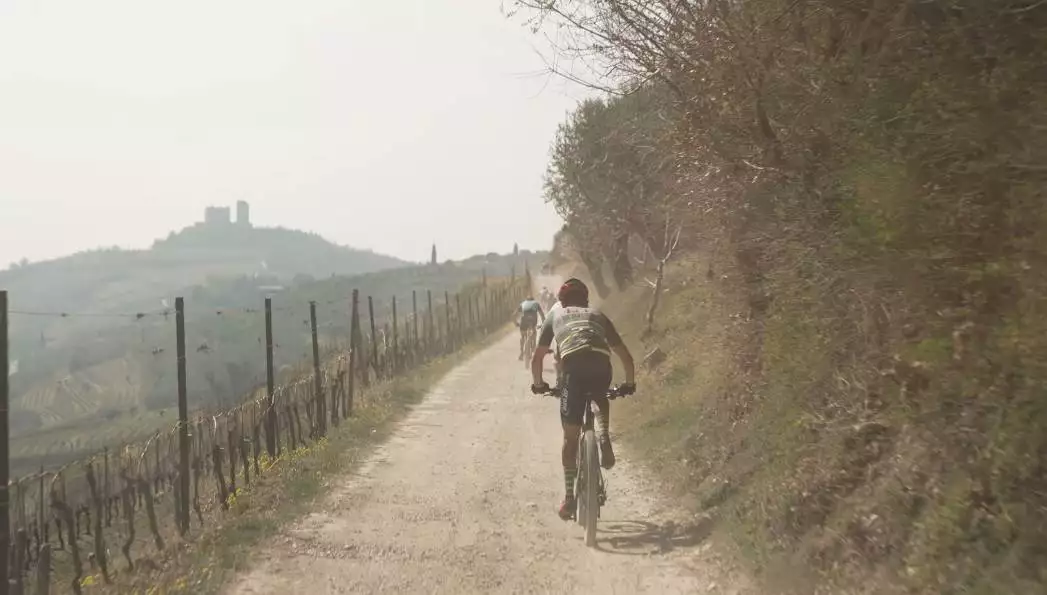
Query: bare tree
671	241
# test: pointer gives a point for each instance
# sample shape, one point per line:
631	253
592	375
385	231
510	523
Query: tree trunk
595	266
623	269
656	297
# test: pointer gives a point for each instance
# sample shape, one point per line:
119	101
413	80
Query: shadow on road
641	538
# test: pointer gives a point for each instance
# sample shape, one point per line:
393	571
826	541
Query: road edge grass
291	485
826	461
684	366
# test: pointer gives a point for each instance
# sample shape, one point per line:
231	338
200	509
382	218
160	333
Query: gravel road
462	500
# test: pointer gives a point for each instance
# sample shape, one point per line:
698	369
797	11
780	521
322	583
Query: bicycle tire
579	481
592	487
529	350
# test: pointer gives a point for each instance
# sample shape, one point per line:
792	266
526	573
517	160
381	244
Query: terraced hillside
99	378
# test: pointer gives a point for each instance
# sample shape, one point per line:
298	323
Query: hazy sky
377	123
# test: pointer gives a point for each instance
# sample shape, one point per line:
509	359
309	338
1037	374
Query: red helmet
573	291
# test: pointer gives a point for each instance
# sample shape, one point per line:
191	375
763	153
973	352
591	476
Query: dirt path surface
462	500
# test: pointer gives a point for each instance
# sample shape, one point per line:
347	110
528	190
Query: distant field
63	443
100	382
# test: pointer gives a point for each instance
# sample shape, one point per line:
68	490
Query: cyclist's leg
523	335
569	455
603	432
571	412
599	374
603	416
559	367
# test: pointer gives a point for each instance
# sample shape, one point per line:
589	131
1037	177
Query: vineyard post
337	393
5	521
99	542
474	312
43	570
17	562
448	340
41	518
365	359
396	343
458	310
156	464
321	418
430	329
374	336
244	442
414	321
270	416
183	421
105	489
470	322
354	346
387	369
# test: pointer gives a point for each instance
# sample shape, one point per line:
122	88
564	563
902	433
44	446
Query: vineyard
74	525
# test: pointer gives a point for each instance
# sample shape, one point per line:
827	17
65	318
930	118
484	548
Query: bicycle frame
589	492
530	341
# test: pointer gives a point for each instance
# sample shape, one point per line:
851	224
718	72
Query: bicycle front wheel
592	487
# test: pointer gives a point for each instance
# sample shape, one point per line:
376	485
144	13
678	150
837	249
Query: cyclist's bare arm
614	340
537	362
627	362
545	342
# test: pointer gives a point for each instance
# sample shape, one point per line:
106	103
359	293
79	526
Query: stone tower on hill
220	216
243	213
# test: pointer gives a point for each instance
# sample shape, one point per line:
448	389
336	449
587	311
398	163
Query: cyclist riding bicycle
529	311
585	338
546	298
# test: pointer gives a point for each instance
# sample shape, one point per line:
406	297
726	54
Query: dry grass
839	450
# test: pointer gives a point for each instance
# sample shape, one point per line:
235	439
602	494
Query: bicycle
590	492
529	345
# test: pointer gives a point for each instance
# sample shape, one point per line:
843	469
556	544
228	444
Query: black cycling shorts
585	374
528	322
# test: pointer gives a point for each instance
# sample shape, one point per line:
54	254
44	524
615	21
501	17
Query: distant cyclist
529	310
546	298
585	338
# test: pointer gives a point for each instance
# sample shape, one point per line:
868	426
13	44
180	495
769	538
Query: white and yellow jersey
578	329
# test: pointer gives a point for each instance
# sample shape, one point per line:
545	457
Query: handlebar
615	392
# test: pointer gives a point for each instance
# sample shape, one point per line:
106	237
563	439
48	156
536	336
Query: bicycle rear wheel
580	483
592	487
528	350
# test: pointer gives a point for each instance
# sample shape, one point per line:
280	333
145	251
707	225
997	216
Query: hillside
114	280
98	380
109	281
849	210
